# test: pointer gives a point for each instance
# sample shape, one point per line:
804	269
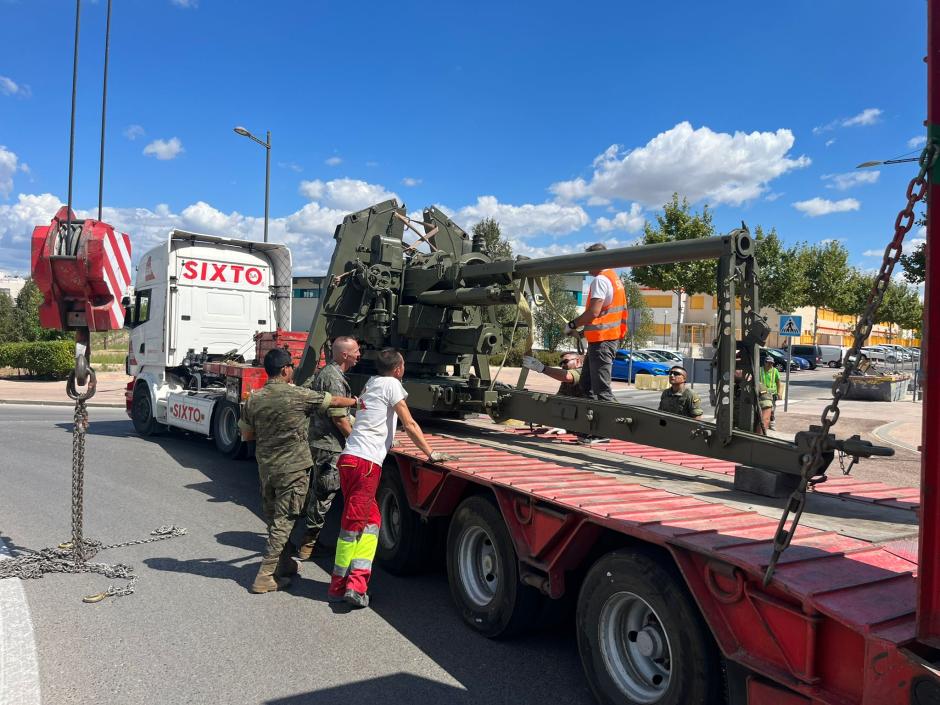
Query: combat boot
306	546
266	581
286	565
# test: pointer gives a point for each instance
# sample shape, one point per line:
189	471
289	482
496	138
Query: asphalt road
193	633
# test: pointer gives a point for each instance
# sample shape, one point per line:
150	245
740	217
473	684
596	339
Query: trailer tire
142	412
483	572
404	541
225	432
641	638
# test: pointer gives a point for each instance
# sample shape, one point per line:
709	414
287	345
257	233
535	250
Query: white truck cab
198	302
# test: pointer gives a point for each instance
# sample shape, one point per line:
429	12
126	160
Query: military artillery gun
438	307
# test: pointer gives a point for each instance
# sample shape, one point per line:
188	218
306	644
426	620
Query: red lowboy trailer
666	561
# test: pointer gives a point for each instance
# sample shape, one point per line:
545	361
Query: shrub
52	359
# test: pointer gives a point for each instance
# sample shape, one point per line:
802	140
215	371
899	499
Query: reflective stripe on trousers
359	525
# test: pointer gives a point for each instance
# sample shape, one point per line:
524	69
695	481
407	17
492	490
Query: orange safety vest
611	323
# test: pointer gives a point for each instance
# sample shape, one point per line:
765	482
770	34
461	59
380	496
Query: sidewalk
26	391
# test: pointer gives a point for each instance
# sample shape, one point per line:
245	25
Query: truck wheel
404	542
225	432
834	363
142	412
641	638
483	572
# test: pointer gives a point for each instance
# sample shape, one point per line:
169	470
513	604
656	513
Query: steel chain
73	557
813	460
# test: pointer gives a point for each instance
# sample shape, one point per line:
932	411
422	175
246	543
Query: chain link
73	557
813	460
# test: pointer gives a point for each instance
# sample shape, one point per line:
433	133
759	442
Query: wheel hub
635	647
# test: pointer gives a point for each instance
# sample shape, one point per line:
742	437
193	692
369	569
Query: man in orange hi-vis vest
605	325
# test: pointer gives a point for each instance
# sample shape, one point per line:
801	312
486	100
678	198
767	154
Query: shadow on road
398	688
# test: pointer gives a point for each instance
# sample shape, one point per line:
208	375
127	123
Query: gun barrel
665	253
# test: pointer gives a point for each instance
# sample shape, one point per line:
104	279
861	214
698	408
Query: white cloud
333	161
408	181
188	4
873	253
771	197
917	142
345	194
132	132
293	166
8	167
308	232
698	163
631	221
10	87
843	182
830	142
525	220
869	116
165	149
815	207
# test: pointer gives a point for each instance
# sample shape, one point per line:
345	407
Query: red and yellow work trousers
359	526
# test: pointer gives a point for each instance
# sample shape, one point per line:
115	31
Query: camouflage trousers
282	503
324	484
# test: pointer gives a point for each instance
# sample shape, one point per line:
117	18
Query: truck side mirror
128	311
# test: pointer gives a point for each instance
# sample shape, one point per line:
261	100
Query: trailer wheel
641	638
225	432
483	572
404	542
142	412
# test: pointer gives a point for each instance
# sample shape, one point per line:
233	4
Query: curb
29	402
884	433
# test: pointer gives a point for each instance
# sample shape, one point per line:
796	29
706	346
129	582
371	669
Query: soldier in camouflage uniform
275	417
328	432
677	399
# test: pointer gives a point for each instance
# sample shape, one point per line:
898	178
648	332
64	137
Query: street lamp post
665	317
267	170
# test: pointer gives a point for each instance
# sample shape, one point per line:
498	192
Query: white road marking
19	664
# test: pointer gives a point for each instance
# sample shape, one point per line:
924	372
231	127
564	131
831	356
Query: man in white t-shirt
381	405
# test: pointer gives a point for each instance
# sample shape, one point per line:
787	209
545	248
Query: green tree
780	271
827	271
915	263
495	245
550	319
854	296
7	331
640	316
26	326
901	307
676	223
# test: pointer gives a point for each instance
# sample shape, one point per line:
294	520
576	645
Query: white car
666	355
880	354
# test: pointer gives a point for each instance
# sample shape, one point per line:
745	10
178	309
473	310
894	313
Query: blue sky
567	122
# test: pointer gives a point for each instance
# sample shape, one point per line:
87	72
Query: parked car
901	353
642	364
831	355
669	355
812	353
658	356
879	353
803	363
780	359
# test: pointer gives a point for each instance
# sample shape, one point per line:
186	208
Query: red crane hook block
83	269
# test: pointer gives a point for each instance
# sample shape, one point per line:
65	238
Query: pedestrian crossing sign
790	325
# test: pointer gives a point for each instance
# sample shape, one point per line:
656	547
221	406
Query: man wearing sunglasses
678	399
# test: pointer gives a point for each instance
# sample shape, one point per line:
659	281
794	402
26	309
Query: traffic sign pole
786	392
